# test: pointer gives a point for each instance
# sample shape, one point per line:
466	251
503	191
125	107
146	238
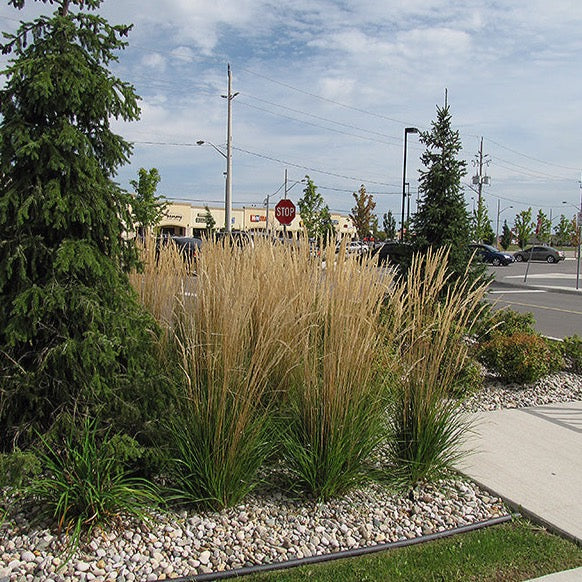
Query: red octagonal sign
285	211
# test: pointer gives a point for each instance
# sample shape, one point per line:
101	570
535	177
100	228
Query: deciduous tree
523	227
314	213
543	227
148	209
564	231
389	225
362	214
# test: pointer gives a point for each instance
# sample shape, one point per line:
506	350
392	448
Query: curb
553	289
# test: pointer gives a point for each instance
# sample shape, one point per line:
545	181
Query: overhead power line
272	159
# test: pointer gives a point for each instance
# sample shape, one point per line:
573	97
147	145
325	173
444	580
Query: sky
327	87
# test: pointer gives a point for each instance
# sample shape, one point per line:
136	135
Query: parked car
393	253
489	254
353	247
235	238
188	245
540	253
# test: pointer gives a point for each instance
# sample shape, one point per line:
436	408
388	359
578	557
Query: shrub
521	358
572	350
82	486
504	322
468	380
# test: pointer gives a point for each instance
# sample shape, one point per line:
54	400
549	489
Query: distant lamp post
497	228
407	203
579	235
227	205
407	130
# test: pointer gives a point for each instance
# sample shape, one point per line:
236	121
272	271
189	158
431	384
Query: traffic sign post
285	211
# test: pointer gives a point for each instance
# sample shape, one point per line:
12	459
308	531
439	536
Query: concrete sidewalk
532	458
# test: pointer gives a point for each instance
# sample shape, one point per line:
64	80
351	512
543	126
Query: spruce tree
506	236
72	334
389	225
442	219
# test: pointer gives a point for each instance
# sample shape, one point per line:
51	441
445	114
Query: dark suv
489	254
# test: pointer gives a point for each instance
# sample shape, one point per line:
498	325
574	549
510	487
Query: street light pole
497	227
407	203
407	130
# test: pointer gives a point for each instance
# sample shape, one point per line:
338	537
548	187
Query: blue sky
327	87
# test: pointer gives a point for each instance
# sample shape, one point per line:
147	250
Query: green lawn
513	551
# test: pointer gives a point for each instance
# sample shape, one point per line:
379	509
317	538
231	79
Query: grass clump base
83	486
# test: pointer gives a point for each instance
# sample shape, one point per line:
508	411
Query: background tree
523	227
481	225
72	335
314	212
362	213
389	225
564	231
148	209
543	227
375	227
441	218
506	236
209	221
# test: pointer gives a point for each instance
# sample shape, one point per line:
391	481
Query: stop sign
285	211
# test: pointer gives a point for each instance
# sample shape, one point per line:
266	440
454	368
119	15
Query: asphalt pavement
548	291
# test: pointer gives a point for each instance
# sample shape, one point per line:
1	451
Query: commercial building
185	219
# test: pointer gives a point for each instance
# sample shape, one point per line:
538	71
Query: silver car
540	253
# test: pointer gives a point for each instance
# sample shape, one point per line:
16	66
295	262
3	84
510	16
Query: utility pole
228	194
285	226
479	179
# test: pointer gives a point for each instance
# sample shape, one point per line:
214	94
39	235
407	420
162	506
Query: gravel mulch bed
270	527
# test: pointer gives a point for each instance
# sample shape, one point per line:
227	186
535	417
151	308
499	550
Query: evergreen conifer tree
506	236
72	334
442	219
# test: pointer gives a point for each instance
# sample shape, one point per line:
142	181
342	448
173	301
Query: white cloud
511	68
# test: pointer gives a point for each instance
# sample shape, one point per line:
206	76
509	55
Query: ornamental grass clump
337	391
232	334
433	316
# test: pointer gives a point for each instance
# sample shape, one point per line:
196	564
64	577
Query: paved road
549	293
540	274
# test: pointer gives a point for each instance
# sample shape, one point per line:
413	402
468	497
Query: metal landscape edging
260	568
